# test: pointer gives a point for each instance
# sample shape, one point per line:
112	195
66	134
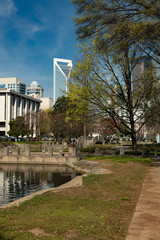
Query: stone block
97	151
50	151
121	151
17	151
72	151
43	148
27	151
6	151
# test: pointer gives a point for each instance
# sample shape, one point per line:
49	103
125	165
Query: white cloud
7	8
34	28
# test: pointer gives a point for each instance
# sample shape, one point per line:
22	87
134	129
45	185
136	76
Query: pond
17	181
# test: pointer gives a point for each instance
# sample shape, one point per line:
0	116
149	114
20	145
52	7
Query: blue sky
32	33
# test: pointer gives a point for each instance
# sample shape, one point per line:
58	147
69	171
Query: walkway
145	224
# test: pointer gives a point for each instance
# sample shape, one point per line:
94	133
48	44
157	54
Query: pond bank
84	167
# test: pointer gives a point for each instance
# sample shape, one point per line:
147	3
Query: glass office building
21	88
14	84
61	73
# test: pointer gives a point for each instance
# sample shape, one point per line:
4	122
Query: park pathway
145	224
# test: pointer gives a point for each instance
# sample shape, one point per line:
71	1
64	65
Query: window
2	124
2	85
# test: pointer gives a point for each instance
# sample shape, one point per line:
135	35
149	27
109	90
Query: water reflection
17	181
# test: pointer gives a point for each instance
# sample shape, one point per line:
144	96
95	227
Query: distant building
14	84
139	70
46	103
61	74
35	90
137	79
13	104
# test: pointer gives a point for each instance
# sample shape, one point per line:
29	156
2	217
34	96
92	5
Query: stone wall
35	159
47	156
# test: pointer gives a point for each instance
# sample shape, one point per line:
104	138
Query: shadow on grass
3	237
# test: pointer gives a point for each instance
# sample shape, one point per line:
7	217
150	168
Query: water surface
17	181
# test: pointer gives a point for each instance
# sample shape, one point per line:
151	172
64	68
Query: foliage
80	110
45	122
113	53
29	142
108	127
18	127
91	149
61	128
118	22
88	149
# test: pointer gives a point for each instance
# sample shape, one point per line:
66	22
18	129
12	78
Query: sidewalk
145	224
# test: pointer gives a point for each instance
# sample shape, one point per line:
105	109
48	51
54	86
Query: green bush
65	150
88	149
136	153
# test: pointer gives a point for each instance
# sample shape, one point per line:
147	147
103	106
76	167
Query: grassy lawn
122	159
99	210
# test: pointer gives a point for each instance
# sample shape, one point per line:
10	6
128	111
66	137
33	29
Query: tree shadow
3	237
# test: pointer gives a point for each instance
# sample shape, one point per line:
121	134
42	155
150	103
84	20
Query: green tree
80	109
61	128
120	21
45	122
18	127
115	52
111	91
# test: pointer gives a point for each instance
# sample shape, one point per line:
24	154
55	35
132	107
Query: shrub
88	149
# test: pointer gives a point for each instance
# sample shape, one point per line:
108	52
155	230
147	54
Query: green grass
122	159
91	149
106	146
101	209
28	142
65	150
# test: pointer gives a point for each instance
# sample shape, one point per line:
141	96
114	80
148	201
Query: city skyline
32	34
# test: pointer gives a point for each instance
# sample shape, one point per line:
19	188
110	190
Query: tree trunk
134	141
133	133
84	135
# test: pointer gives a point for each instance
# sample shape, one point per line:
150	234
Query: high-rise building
14	84
61	74
139	70
35	90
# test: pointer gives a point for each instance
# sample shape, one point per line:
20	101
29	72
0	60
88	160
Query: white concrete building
14	84
35	90
13	104
46	103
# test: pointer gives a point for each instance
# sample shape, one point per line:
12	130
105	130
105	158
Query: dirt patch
39	232
72	233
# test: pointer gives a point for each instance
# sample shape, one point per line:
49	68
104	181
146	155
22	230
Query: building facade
61	74
35	90
14	84
15	104
46	103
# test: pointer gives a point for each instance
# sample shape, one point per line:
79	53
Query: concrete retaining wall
37	159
